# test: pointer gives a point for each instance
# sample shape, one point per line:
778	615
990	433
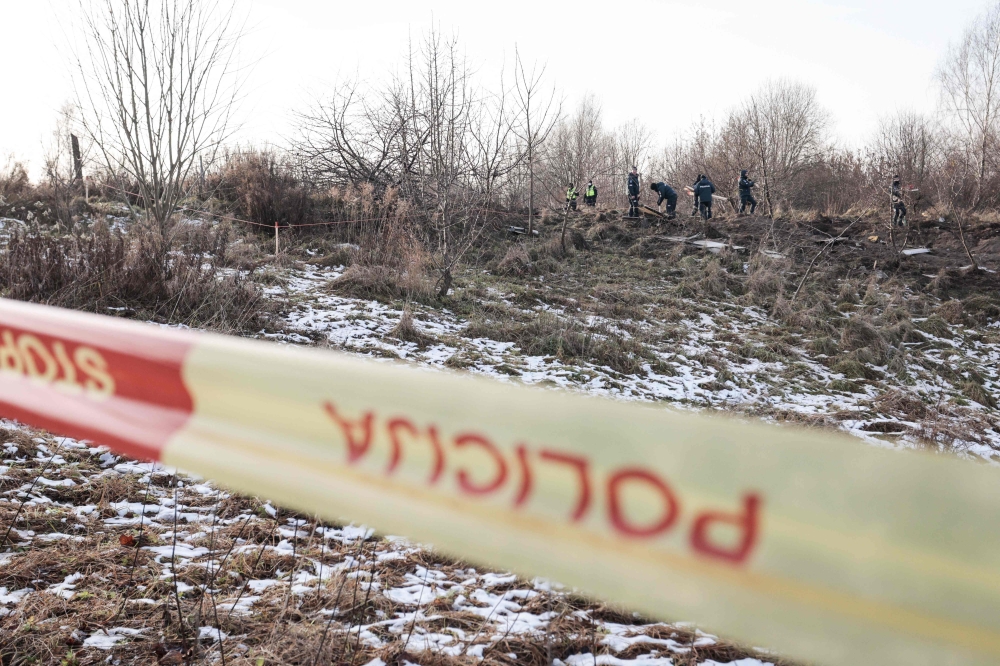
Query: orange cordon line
805	541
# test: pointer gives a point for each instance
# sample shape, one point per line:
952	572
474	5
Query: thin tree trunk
961	235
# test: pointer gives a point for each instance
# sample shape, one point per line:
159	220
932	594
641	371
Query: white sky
665	62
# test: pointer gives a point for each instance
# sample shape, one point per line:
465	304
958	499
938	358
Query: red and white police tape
803	540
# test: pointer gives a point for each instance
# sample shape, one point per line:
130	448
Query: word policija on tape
498	473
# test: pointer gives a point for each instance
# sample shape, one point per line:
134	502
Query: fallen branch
828	244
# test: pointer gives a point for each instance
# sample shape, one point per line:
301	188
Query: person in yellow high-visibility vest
590	194
571	195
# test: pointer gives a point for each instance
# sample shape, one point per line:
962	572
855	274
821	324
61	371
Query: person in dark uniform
746	195
667	194
896	200
633	193
694	187
703	192
571	195
590	194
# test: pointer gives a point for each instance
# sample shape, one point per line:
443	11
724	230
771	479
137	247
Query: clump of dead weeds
177	276
407	331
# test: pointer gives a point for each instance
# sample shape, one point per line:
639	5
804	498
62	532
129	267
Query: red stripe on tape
122	388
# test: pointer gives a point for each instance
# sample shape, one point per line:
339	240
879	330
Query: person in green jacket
590	194
571	195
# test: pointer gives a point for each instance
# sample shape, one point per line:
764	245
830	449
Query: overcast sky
665	62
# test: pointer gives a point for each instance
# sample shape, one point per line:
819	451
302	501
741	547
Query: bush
263	190
139	273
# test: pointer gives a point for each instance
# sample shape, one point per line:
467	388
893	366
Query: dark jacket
633	185
704	190
746	185
896	193
665	192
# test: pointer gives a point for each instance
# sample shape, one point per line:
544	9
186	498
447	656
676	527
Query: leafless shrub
173	279
14	182
387	259
262	189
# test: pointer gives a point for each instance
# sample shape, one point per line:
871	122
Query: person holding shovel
667	194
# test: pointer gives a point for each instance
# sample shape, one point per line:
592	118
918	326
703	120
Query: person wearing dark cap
667	194
633	193
703	192
746	195
896	200
590	194
694	188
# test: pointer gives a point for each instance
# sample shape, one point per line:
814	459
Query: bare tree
351	136
904	144
492	146
785	127
970	83
446	101
539	112
579	147
158	80
632	147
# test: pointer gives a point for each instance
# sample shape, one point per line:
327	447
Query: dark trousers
671	207
899	213
747	199
633	206
706	210
571	204
590	201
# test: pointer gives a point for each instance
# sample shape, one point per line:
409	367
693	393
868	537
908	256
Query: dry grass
566	339
407	331
516	262
116	572
178	278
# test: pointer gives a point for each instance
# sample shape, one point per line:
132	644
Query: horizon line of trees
452	146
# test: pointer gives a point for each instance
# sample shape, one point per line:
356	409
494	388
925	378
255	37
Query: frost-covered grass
116	561
685	352
113	561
